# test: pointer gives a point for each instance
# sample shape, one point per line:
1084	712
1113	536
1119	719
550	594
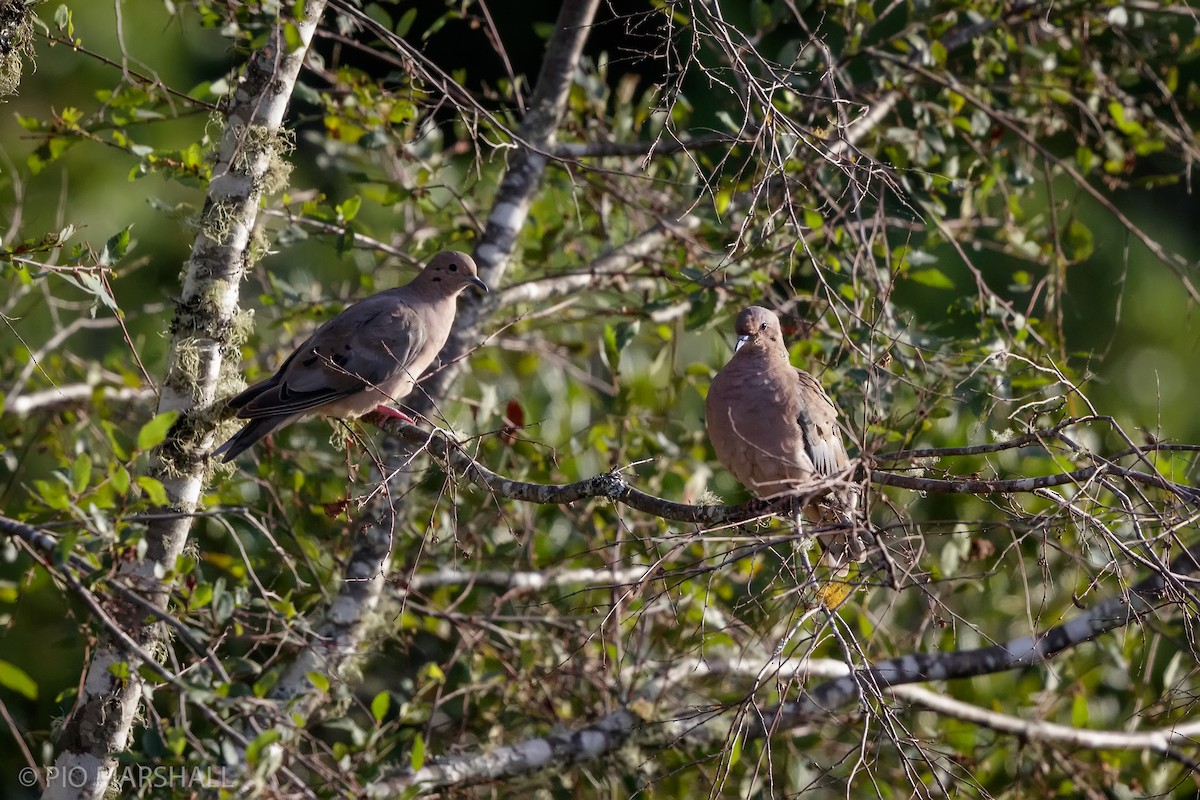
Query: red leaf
514	420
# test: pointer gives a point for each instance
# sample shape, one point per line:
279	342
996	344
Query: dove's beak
741	340
476	281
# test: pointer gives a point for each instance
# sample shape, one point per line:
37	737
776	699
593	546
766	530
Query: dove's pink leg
394	413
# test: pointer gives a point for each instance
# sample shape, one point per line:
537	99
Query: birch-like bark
346	621
203	346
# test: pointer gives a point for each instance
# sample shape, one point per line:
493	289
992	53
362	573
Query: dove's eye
762	327
454	267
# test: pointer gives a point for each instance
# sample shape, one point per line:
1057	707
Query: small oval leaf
154	432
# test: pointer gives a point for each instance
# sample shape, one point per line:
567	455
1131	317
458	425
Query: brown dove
372	352
773	426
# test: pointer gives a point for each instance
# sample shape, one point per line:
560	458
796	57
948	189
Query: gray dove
775	429
372	352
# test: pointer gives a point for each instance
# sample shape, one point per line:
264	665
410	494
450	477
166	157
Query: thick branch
450	455
533	755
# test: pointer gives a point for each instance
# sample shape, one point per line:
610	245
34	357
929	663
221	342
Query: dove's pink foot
394	413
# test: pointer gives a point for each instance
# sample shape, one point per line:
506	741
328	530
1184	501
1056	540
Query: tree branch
521	181
1161	740
610	266
450	454
72	395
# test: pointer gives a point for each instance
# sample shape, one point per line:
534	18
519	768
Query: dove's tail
255	429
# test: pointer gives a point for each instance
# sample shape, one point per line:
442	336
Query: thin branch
529	581
581	150
612	265
1082	475
1161	740
73	395
611	485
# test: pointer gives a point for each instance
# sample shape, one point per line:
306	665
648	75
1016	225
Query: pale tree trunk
345	624
203	352
521	181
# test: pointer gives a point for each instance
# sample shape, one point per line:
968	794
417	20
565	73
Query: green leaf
1079	241
116	247
264	739
700	313
53	494
15	678
380	705
417	759
318	680
120	478
405	22
120	670
154	490
201	596
265	684
291	35
81	473
611	353
932	277
1079	711
177	740
64	21
154	432
349	209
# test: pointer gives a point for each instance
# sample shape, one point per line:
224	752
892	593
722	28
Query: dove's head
451	272
758	328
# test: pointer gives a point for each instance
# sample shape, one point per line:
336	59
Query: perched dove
372	352
775	429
